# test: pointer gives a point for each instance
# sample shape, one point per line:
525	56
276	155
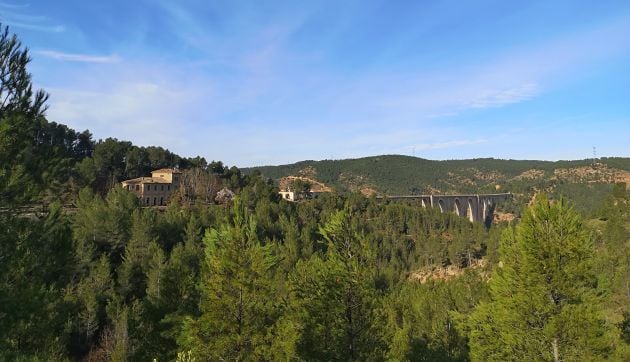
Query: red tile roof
167	170
146	180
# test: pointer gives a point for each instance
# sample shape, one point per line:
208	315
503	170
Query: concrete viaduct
477	207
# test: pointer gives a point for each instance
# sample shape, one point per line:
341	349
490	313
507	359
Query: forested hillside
581	181
88	274
396	174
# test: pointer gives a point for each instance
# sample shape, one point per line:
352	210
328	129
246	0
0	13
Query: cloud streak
12	15
147	104
83	58
506	96
37	27
281	101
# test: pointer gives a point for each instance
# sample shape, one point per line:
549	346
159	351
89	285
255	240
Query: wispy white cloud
514	75
501	97
12	15
84	58
272	106
147	104
12	6
37	27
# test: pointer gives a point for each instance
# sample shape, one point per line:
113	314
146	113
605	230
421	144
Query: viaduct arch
475	207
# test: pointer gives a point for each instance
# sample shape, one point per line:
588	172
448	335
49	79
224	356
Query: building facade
157	189
298	196
288	195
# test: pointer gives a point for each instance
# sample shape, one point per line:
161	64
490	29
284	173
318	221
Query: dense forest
397	174
86	273
584	182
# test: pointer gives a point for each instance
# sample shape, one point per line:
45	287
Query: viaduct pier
475	207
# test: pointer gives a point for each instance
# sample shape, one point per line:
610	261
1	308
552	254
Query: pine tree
139	250
21	111
35	259
238	305
103	226
334	300
544	304
91	294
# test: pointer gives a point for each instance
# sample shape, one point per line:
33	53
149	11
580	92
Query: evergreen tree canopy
544	303
237	299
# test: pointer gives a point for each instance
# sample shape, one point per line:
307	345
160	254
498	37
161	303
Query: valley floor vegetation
86	273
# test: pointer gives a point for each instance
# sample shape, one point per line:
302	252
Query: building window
154	201
148	187
162	200
137	187
147	200
162	187
168	187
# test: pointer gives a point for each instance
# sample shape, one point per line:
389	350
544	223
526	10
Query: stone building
157	189
288	195
298	196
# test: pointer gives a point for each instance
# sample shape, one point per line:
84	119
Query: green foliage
326	279
423	319
140	252
585	198
611	225
624	327
404	175
35	267
237	300
37	157
396	174
103	226
15	82
299	185
544	303
333	300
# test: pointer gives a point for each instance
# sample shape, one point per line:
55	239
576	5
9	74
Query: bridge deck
391	197
475	207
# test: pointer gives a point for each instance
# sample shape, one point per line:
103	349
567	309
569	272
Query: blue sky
266	82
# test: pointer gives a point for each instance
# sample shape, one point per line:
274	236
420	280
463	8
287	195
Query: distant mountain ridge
398	174
583	182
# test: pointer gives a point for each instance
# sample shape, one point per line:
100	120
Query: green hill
578	180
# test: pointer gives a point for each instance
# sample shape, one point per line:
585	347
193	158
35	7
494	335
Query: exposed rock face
224	196
532	174
316	186
598	173
445	273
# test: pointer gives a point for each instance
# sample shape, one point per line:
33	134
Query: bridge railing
503	194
